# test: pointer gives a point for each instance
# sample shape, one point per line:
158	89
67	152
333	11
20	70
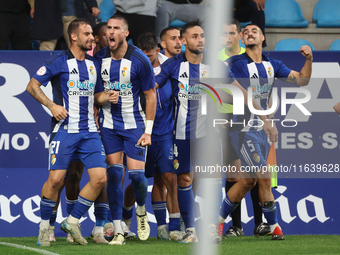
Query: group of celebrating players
146	104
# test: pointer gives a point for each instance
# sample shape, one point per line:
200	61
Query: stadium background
307	205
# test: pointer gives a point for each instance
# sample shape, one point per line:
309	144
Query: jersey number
175	150
252	147
54	145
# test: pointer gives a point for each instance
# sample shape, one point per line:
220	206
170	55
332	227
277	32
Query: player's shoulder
138	58
237	58
56	59
102	53
174	60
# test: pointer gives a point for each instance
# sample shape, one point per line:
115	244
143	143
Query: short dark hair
74	26
190	24
253	24
147	41
97	28
165	30
235	22
120	17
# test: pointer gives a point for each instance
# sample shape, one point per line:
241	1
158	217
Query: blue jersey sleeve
165	73
281	71
146	77
50	68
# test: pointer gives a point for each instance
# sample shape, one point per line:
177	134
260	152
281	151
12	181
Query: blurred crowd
42	24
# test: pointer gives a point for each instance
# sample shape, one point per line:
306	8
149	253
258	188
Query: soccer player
183	71
250	142
160	157
126	69
231	36
172	46
74	79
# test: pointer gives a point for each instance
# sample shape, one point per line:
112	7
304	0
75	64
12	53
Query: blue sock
270	214
53	218
159	209
139	185
109	216
100	212
46	208
69	205
81	207
127	212
227	207
174	222
186	202
114	190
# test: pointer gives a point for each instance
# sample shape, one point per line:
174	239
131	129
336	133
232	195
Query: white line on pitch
28	248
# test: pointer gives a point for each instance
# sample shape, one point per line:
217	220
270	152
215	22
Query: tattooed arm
302	78
34	89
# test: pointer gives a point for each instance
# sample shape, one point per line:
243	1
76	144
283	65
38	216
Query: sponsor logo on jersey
80	85
261	89
74	71
116	85
184	75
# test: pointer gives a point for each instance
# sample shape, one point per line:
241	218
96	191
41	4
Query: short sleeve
281	71
50	68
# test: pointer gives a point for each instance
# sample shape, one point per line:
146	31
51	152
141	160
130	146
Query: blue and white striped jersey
164	120
74	83
260	77
130	75
187	87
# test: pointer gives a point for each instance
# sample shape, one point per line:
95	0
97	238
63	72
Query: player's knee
184	180
250	182
115	173
56	181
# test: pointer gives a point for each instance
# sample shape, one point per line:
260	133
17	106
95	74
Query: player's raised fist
306	51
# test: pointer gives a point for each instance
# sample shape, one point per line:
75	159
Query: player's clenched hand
144	140
306	51
114	96
336	107
58	112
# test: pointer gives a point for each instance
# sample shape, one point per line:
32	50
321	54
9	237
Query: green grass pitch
305	244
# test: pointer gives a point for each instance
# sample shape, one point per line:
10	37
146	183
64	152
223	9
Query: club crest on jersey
124	71
53	159
256	157
270	72
204	74
176	164
92	70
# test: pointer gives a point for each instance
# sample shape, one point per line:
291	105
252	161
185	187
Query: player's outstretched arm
336	108
302	78
150	109
34	89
